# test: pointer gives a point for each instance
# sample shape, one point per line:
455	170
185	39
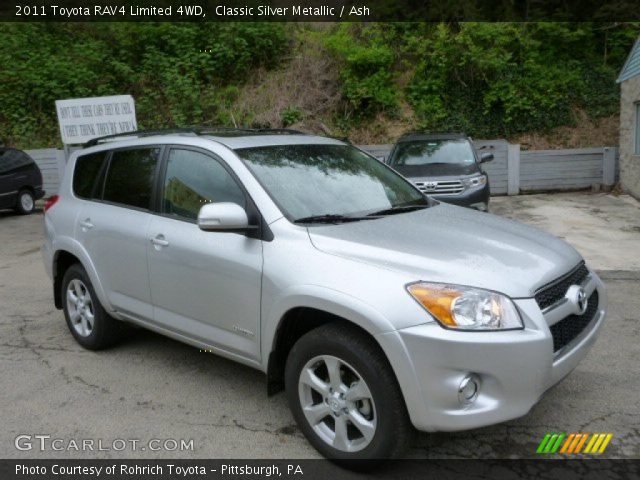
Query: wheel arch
300	314
62	260
27	187
66	253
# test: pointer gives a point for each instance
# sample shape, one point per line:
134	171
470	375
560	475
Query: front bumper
473	197
515	368
38	193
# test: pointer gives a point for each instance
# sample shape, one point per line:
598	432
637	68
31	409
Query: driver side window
194	179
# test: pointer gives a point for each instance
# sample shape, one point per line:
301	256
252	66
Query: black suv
444	166
20	181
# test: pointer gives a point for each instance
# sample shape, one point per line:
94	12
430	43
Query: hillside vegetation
549	84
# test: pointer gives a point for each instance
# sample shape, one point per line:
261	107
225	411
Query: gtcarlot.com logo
44	443
574	443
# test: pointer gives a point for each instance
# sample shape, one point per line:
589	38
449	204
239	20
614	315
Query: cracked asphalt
150	387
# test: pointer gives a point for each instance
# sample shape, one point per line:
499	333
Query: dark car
444	166
20	181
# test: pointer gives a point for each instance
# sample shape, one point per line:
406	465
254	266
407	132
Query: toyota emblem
582	301
578	298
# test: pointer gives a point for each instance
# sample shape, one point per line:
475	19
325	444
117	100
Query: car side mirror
486	157
223	217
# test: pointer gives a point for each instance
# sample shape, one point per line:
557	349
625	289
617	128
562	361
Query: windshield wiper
397	209
329	218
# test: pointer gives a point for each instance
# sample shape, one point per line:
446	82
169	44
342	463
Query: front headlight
466	308
475	181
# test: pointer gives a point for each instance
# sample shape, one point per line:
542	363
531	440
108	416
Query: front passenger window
194	179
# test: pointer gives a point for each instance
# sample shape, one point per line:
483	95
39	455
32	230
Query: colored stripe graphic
577	438
598	443
556	446
581	442
550	443
605	442
591	442
573	443
543	443
565	447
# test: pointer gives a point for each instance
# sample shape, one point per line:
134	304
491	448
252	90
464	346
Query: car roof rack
195	131
431	135
138	134
245	131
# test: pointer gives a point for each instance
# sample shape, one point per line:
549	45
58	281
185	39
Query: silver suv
375	307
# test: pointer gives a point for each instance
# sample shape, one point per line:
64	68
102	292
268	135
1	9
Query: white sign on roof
82	119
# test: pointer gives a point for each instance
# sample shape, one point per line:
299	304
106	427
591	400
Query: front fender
321	298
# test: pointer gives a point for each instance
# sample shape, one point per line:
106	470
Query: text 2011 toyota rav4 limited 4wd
376	308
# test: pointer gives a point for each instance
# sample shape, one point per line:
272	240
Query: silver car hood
454	245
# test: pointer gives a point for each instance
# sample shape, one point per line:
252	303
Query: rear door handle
86	224
159	241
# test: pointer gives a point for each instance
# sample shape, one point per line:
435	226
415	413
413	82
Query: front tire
25	203
345	396
88	322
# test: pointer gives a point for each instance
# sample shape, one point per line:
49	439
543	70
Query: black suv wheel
25	203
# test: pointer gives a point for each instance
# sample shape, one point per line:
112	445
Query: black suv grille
555	291
570	327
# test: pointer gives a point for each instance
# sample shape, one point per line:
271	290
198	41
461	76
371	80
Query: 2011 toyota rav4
377	308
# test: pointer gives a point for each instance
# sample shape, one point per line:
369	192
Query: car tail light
51	201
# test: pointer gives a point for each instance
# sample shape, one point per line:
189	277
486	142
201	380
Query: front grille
442	187
570	327
555	291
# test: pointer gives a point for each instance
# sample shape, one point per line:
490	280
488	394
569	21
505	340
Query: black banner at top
320	10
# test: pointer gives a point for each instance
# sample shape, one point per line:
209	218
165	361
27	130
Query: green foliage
290	115
489	79
486	79
179	74
366	74
499	79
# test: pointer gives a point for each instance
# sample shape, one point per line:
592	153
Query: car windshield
328	180
425	152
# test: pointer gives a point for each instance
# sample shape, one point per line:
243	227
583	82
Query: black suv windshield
320	180
425	152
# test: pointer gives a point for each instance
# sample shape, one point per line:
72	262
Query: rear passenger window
129	179
85	175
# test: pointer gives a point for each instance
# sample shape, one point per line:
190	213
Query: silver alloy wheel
26	201
337	403
80	307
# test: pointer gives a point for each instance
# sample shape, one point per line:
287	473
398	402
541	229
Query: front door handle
86	225
159	241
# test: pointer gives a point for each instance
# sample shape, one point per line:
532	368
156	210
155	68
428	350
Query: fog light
468	389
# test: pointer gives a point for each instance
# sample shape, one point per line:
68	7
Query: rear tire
345	396
25	203
87	320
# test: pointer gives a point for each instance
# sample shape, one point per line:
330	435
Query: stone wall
629	160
